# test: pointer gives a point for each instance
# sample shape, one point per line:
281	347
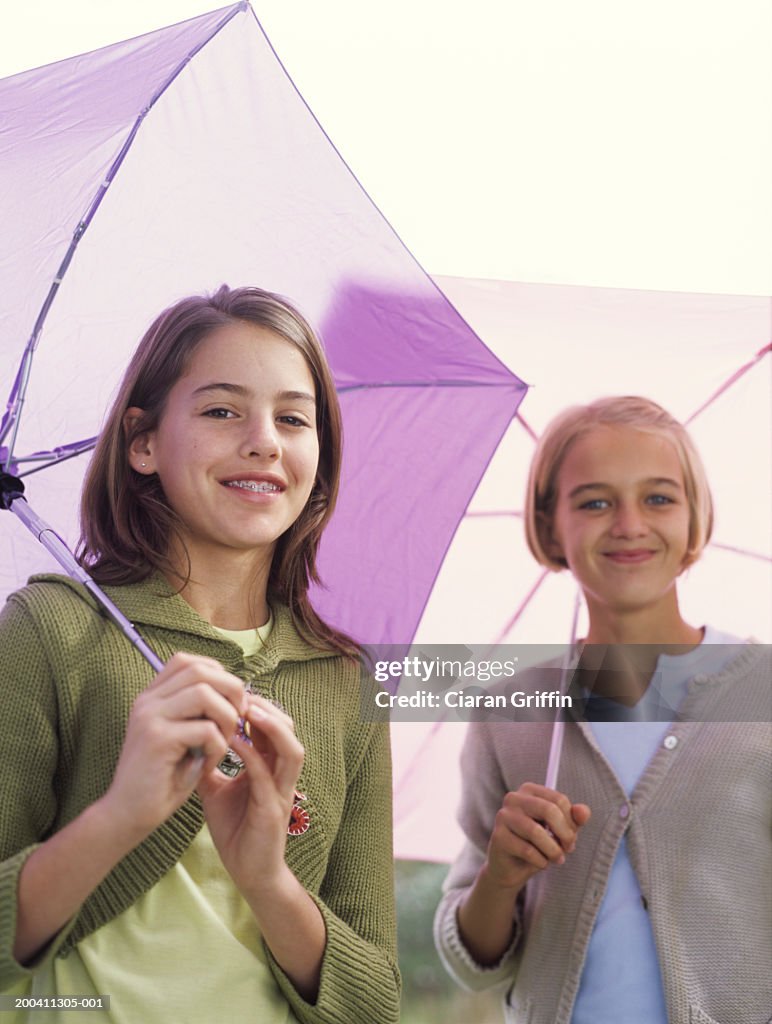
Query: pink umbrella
707	359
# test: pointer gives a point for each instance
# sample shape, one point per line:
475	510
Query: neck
229	592
622	646
660	625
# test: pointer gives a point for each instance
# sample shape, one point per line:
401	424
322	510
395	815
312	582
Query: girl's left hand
248	815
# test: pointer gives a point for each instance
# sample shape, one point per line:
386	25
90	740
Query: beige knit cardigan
698	828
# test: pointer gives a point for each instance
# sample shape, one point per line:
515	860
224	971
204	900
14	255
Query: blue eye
659	499
595	504
293	421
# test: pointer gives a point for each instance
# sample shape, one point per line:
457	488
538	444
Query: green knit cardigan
68	680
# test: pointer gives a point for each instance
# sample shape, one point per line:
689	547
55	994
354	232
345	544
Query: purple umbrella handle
12	497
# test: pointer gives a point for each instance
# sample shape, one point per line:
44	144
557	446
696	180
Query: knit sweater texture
68	680
698	828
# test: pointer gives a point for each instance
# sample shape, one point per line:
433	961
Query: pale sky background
599	143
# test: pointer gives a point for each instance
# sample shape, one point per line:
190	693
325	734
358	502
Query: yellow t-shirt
188	950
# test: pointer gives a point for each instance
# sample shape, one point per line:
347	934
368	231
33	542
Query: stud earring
143	465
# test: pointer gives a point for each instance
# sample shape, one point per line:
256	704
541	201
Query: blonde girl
640	890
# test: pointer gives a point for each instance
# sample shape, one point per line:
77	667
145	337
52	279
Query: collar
154	602
745	657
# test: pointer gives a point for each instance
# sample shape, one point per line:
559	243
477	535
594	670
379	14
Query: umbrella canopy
167	164
706	358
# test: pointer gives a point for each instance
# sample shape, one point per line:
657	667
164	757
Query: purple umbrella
167	164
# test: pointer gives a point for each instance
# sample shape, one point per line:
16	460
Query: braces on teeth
248	486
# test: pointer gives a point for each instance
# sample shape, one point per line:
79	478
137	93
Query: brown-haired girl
131	866
650	899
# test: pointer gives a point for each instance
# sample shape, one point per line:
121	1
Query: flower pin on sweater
300	819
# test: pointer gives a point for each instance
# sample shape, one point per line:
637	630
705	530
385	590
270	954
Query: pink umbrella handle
558	728
556	749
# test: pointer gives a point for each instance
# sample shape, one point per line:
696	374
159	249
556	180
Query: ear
140	448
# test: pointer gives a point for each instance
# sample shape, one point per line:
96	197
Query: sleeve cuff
11	971
358	984
456	957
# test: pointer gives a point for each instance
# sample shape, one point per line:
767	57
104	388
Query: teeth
261	486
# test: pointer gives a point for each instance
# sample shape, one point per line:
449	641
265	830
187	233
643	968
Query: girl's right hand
192	703
534	827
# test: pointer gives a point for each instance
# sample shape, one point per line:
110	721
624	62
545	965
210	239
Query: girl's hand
534	827
192	703
248	816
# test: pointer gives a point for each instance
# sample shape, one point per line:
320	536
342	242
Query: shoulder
56	619
48	630
52	586
742	688
51	601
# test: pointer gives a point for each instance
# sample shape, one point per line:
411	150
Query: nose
261	439
629	521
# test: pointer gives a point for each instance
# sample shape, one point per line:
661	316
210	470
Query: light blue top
621	981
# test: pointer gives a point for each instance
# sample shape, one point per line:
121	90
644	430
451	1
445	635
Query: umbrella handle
559	726
12	497
556	749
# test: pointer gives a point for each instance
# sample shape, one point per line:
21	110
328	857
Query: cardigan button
670	742
624	811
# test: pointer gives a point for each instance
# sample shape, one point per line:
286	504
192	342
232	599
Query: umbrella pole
558	728
12	498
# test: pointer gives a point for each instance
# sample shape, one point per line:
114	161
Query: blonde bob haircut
578	420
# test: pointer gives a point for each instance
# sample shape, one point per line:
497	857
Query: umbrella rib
12	416
527	427
523	605
729	382
46	459
518	612
491	515
376	385
420	753
742	551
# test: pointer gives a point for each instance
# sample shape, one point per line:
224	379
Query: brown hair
126	523
574	422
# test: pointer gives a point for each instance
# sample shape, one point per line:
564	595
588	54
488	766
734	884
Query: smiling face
621	520
236	448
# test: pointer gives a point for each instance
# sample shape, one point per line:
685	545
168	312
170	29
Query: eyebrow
239	389
655	481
